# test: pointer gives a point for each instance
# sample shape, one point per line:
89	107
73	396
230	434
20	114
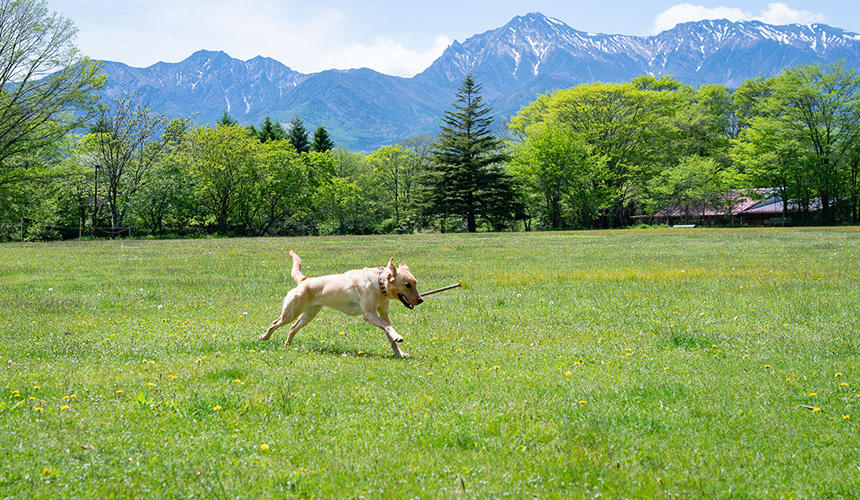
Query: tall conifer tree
465	178
298	136
322	141
270	131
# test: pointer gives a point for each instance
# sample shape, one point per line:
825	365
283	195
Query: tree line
595	155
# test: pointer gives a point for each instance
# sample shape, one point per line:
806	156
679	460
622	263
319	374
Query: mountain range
529	55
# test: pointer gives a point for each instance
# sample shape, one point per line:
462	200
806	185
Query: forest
599	155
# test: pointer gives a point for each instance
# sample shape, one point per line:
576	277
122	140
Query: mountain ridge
529	55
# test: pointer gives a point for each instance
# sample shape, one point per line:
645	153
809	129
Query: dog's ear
404	266
391	267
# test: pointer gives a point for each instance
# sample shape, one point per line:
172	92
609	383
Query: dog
364	291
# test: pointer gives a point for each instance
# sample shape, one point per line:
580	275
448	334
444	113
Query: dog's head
403	285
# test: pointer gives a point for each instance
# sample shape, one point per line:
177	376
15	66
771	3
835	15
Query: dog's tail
297	275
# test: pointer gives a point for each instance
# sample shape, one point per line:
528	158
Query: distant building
755	207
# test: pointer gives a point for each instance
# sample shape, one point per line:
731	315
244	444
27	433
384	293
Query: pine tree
227	120
465	178
322	141
270	131
298	136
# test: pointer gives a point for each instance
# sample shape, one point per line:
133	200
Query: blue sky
393	37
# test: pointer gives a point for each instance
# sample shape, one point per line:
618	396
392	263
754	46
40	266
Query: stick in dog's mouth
405	302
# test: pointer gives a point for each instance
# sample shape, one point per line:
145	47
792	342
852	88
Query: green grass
622	363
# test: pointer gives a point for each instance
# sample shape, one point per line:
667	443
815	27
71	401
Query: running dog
360	291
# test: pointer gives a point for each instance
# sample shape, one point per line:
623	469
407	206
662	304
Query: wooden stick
440	289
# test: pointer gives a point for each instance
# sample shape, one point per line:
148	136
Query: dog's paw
395	337
403	355
264	337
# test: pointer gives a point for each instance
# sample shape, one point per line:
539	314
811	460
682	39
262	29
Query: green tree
466	176
46	87
125	148
801	129
771	157
322	141
298	136
371	210
222	161
821	104
630	125
270	131
226	120
696	184
392	166
566	178
167	196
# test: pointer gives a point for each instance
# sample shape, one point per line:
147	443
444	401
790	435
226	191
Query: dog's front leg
374	319
393	336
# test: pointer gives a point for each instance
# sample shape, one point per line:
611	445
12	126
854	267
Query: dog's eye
408	285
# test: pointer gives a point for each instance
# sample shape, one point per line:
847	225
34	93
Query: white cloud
776	13
388	56
306	39
779	13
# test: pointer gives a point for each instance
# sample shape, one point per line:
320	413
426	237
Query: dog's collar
381	281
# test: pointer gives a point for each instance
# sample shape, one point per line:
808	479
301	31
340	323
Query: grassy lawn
622	363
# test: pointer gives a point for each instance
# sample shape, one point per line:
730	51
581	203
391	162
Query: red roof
735	202
765	201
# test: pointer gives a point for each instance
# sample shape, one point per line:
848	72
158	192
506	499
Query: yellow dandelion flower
577	363
495	367
644	355
846	417
38	408
816	410
361	352
237	381
46	471
746	356
150	384
31	398
838	374
119	391
767	366
813	394
665	367
713	345
64	407
843	384
582	401
217	408
264	447
36	387
568	373
172	377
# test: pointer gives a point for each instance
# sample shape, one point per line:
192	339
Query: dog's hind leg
303	320
291	309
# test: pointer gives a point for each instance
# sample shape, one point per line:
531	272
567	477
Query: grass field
623	363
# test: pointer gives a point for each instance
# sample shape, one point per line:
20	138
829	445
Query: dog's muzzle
406	302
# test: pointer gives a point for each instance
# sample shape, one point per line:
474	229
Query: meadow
628	363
